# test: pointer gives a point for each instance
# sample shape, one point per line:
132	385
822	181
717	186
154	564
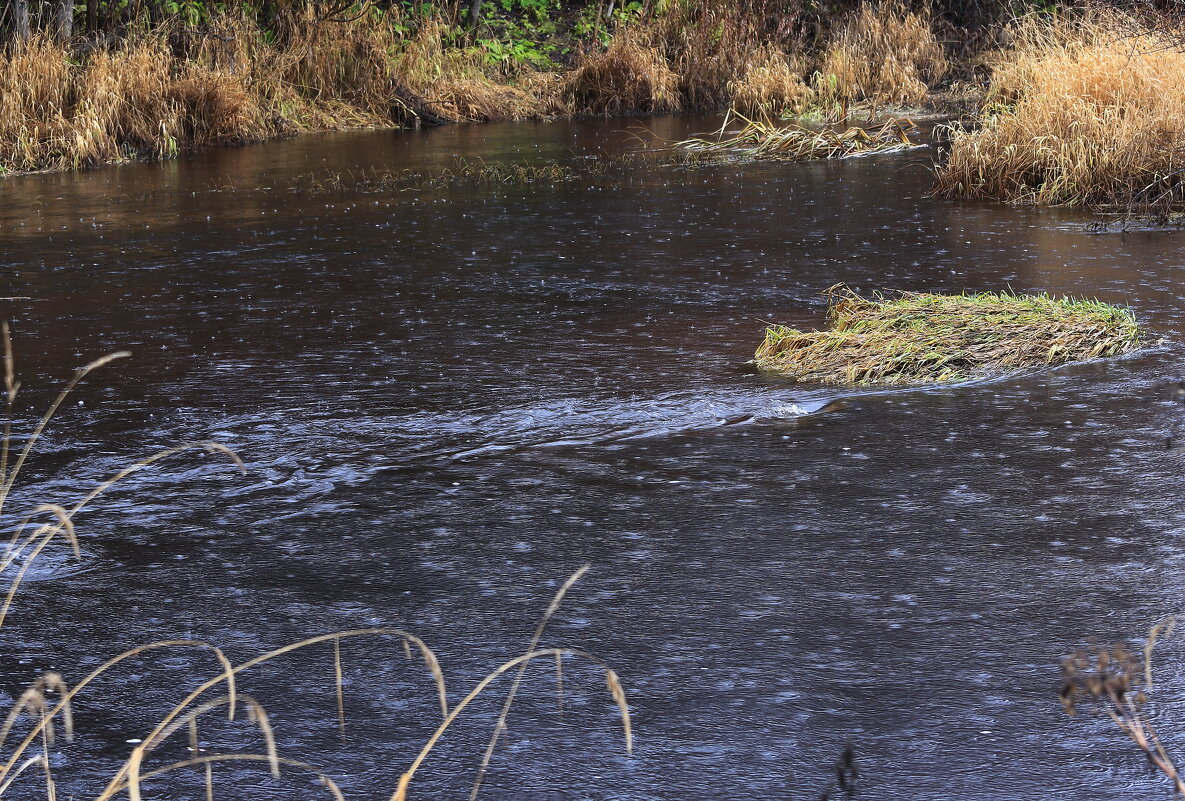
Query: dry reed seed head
1108	674
65	524
437	674
618	693
258	715
32	702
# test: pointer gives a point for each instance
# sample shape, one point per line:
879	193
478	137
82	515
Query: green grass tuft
919	338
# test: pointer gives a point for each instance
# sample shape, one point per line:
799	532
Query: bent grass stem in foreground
611	680
500	726
185	714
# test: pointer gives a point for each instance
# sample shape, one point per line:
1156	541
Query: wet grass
762	140
156	92
30	731
918	338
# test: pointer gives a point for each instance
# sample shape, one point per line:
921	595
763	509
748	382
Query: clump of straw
764	141
918	338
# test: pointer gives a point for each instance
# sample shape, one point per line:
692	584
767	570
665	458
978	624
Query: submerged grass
761	140
917	338
462	172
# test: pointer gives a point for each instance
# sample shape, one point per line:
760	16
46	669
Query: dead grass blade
400	793
326	782
132	766
81	373
63	705
10	778
766	141
500	726
337	684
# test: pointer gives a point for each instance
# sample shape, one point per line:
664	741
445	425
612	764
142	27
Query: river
449	398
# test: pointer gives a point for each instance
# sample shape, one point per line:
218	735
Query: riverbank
1084	110
155	91
1080	107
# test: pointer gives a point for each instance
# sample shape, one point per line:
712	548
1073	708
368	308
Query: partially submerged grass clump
765	141
918	338
1085	110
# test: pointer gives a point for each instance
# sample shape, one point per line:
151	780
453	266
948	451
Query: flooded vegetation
918	337
1079	112
131	84
764	141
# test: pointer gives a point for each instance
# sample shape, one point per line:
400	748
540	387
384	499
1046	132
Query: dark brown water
449	399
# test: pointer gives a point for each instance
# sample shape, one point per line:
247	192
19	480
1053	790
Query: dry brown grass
767	141
631	77
181	88
772	84
453	84
1118	679
884	54
1082	111
710	45
157	94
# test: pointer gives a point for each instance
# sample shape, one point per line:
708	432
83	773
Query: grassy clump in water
918	338
766	141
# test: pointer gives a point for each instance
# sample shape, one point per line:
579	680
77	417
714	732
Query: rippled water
449	399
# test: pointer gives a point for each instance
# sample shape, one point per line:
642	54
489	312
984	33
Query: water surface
449	399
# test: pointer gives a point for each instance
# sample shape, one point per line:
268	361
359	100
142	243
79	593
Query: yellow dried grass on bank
631	77
709	45
772	84
157	94
132	101
183	88
1085	111
884	54
453	85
